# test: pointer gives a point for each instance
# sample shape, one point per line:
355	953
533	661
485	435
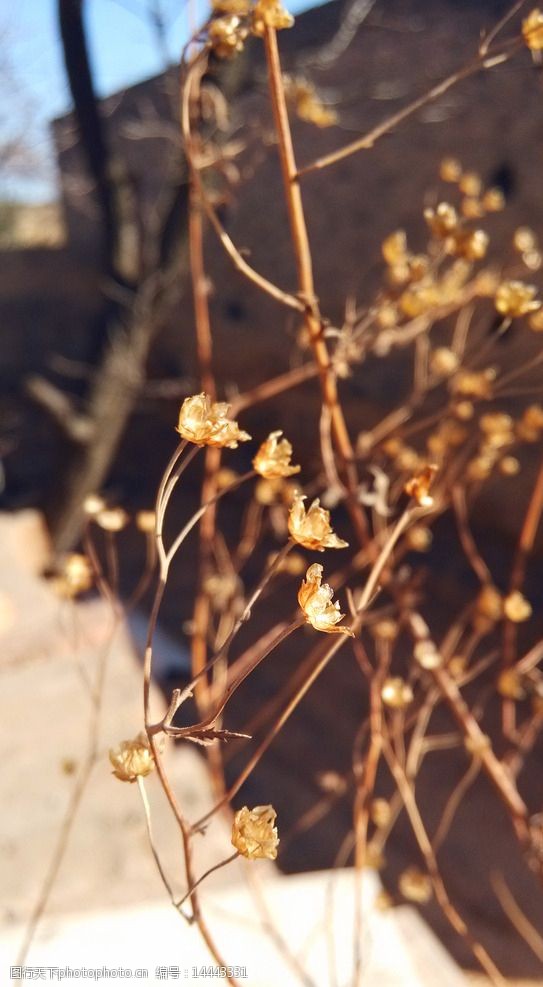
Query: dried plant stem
442	897
306	287
368	140
211	870
516	916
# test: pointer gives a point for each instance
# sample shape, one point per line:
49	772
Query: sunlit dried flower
112	519
312	529
380	812
396	693
270	13
273	458
254	834
206	423
145	521
516	607
315	599
132	759
510	686
450	170
532	30
93	504
444	361
515	298
419	485
303	96
414	885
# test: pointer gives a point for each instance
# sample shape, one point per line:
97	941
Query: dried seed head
471	183
270	13
515	298
493	200
206	423
489	603
93	504
254	834
312	529
75	576
419	485
394	248
226	36
524	239
443	220
132	759
380	812
509	466
419	538
273	458
427	655
385	630
474	384
315	599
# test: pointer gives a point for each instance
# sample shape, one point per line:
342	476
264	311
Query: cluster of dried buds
304	98
235	20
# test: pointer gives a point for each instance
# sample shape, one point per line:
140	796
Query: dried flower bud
450	170
75	576
273	458
303	96
474	384
427	655
443	220
471	244
444	362
516	607
396	693
145	522
471	184
132	759
414	885
270	13
254	834
227	36
385	630
315	600
493	200
532	30
472	208
419	485
489	603
524	239
312	529
515	298
394	248
464	410
112	519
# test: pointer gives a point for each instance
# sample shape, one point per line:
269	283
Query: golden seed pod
427	655
315	600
